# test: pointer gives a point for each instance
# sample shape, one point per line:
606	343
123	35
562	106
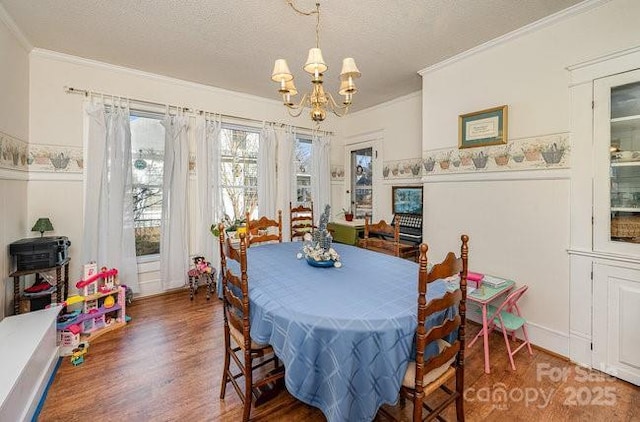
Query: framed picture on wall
481	128
407	199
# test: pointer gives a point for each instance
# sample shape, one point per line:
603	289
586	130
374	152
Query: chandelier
318	100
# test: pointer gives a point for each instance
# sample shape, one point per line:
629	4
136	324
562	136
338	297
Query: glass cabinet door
616	128
625	163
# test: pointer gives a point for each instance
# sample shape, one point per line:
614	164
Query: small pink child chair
508	318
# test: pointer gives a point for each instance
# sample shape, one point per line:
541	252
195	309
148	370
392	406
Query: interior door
362	182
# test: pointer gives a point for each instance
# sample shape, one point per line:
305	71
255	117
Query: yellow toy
72	300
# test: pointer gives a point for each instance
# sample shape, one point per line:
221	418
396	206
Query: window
147	144
239	171
302	170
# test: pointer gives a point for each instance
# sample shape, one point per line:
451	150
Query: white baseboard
549	339
546	338
580	348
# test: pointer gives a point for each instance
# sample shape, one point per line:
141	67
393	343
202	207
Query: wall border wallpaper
535	153
43	158
55	158
13	153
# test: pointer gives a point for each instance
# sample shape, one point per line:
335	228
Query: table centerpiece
317	248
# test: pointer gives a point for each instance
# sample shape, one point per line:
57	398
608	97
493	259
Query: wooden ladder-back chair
381	237
262	230
423	377
301	220
238	346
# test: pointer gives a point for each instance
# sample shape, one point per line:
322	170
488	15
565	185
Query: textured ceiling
232	44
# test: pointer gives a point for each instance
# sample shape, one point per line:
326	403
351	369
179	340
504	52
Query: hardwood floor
165	365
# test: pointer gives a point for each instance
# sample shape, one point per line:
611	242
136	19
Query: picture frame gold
482	128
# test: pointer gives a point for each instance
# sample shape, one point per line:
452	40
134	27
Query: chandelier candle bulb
290	88
347	87
350	85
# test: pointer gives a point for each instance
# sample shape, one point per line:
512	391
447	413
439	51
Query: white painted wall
14	117
518	228
14	85
56	119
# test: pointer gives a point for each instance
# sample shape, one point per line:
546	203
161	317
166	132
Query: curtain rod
71	90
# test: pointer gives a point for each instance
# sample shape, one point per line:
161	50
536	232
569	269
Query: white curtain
108	200
208	171
267	172
174	255
286	177
320	171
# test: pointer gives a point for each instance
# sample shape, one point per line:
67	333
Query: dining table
344	334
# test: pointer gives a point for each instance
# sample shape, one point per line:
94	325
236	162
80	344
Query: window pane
361	182
302	168
147	144
239	171
303	155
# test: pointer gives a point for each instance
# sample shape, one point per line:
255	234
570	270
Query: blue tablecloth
344	334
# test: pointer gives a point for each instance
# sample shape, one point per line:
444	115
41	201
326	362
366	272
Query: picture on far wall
482	128
407	199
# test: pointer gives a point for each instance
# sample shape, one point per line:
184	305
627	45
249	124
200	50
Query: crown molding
567	13
609	64
8	21
68	58
370	135
605	58
388	103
